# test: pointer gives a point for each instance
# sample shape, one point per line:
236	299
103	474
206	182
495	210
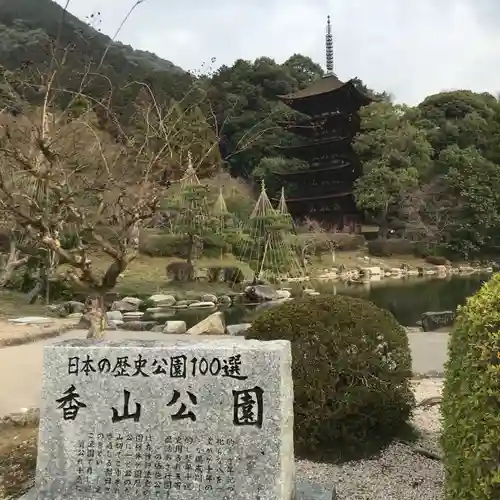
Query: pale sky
411	48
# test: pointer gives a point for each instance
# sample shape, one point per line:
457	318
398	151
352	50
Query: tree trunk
383	231
383	226
190	249
96	314
35	291
10	264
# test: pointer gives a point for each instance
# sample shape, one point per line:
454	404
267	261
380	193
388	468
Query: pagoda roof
313	96
322	86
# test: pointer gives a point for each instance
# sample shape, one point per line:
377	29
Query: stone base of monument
311	491
303	491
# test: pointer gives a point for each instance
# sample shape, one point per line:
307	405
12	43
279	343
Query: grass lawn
147	275
13	304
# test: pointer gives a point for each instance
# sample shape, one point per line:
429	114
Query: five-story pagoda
324	191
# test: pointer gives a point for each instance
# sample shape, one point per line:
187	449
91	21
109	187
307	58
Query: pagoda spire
329	48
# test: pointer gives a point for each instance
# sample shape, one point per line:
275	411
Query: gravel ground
398	473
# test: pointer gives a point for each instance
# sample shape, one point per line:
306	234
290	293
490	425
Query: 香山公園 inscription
138	464
247	406
173	367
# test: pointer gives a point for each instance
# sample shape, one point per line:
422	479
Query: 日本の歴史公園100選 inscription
174	367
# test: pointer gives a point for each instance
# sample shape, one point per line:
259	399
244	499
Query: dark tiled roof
322	86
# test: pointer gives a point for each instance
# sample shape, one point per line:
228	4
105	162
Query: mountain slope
32	31
28	22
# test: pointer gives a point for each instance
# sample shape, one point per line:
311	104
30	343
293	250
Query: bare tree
11	255
317	240
97	193
429	213
75	188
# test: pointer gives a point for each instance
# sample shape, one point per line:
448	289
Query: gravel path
398	473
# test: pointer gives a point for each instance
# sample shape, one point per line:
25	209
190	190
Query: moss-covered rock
351	371
471	399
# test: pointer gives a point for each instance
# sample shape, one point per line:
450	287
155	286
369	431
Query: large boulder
138	326
209	297
238	329
132	300
175	327
67	308
124	306
432	320
211	325
261	293
114	315
74	306
163	300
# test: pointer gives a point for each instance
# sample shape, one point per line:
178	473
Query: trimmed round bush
471	399
351	370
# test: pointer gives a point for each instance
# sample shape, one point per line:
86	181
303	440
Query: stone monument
181	419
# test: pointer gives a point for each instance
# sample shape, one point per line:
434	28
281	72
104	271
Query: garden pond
406	298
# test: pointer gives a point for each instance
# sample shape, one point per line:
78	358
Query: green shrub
471	399
158	244
214	244
422	249
389	247
349	242
163	245
351	370
437	260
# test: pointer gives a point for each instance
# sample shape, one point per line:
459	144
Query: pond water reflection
407	298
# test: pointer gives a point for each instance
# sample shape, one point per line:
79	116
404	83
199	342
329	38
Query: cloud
409	48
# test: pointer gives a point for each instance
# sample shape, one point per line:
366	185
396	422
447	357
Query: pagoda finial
329	48
262	185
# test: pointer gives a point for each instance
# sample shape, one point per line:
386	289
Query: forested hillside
36	33
25	24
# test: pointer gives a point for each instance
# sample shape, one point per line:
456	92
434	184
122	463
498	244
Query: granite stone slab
304	491
210	419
